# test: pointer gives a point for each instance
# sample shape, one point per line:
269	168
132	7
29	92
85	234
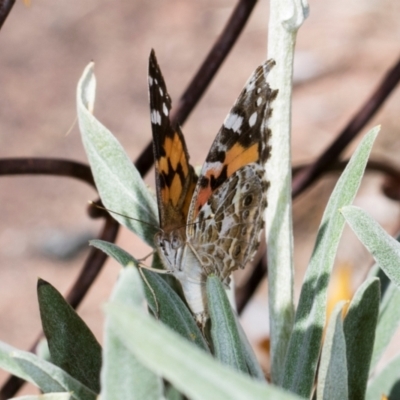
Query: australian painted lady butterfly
211	223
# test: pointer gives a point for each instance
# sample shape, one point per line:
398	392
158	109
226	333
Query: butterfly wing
175	177
242	139
227	229
230	196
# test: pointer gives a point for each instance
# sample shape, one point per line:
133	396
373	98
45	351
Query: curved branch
93	265
46	166
204	75
144	162
304	178
5	8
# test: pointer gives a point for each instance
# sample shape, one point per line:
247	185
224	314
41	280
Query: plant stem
286	16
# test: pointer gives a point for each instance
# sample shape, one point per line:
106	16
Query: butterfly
211	223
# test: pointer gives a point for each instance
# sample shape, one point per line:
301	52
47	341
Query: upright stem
286	16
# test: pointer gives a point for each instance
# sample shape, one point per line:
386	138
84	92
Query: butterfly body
211	224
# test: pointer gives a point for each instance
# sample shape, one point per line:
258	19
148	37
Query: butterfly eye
176	241
159	240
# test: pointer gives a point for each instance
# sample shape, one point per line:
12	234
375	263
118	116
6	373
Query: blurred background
343	50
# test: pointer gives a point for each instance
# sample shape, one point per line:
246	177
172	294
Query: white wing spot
155	81
155	117
161	91
259	101
165	109
258	90
233	121
253	119
150	80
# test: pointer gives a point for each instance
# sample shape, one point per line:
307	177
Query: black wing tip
153	64
268	65
152	57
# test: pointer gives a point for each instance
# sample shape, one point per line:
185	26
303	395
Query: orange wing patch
238	156
175	177
175	169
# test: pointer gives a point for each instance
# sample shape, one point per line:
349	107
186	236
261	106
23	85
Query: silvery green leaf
386	252
46	376
120	185
305	342
123	376
387	382
192	371
224	333
332	376
359	331
388	322
162	300
72	345
384	248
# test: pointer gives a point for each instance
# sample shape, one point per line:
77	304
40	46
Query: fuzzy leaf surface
228	347
119	183
162	300
305	342
359	331
72	345
332	376
123	376
384	248
178	361
46	376
387	382
388	322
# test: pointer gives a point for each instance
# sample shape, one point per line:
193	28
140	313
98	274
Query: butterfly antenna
72	126
117	213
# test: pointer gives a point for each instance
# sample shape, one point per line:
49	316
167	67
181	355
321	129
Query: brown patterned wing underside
226	233
241	140
175	177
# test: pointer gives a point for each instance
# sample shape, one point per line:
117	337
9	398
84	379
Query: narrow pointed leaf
122	375
9	364
387	382
377	272
178	361
386	252
332	376
305	342
388	322
72	345
120	185
44	375
359	330
168	306
384	248
224	333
